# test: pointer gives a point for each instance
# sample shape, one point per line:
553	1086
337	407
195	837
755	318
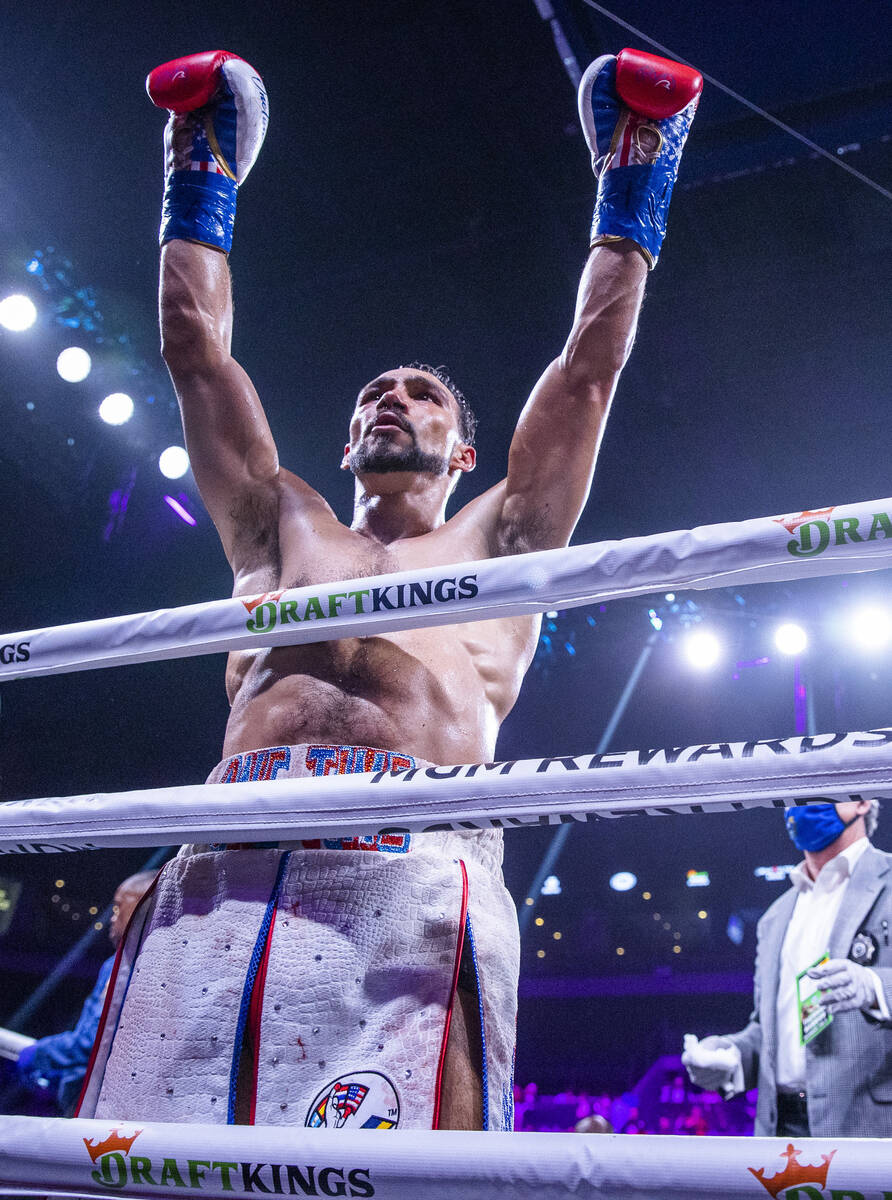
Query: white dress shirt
806	940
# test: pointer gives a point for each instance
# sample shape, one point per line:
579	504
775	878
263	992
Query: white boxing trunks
310	983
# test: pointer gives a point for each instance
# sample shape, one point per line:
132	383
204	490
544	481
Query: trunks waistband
330	758
316	759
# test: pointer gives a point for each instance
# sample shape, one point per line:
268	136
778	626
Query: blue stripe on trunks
253	965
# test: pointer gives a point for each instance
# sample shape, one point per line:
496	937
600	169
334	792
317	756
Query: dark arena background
425	192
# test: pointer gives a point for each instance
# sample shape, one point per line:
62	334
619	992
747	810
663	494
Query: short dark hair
467	420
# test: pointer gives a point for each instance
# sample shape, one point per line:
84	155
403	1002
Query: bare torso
442	693
438	693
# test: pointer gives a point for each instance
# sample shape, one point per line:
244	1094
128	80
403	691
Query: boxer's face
404	420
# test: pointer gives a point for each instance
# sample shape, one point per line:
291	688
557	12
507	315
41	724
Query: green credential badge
813	1016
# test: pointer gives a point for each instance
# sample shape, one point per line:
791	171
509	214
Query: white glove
714	1064
845	986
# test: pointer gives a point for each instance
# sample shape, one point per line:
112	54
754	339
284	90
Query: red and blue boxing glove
218	118
636	110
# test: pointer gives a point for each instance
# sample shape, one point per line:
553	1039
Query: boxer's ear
345	461
463	457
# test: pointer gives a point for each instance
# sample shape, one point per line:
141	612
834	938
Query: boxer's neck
399	505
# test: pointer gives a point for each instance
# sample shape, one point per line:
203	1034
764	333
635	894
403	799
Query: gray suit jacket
849	1064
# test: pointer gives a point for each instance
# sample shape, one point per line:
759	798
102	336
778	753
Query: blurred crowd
668	1105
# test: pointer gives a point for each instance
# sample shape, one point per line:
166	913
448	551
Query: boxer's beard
377	456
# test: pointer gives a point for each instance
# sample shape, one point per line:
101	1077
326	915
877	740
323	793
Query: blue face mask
815	826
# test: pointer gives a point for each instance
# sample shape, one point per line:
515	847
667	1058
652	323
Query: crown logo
114	1141
792	523
255	601
794	1173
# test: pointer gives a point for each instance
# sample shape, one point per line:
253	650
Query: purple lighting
800	700
180	511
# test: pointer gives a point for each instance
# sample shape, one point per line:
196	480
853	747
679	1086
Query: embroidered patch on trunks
383	843
354	760
362	1100
255	765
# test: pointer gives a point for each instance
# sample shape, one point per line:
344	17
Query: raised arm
552	457
217	122
230	446
635	158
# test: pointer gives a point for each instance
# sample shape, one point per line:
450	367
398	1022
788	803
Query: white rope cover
841	539
98	1158
12	1044
718	776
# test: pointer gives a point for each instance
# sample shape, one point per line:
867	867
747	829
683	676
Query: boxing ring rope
40	1156
46	1156
834	540
719	776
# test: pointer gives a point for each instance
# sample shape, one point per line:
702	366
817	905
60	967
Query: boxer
354	982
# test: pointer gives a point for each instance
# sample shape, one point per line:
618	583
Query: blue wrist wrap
200	207
633	201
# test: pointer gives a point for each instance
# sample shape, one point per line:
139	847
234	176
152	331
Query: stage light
173	462
73	364
181	512
622	881
697	878
775	874
17	313
10	890
790	639
702	649
551	886
116	408
734	929
871	628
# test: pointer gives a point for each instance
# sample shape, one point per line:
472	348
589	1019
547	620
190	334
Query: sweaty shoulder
505	527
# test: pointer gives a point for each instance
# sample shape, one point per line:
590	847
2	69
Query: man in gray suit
823	1069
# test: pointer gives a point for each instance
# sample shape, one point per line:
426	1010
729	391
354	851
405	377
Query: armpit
523	532
255	529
